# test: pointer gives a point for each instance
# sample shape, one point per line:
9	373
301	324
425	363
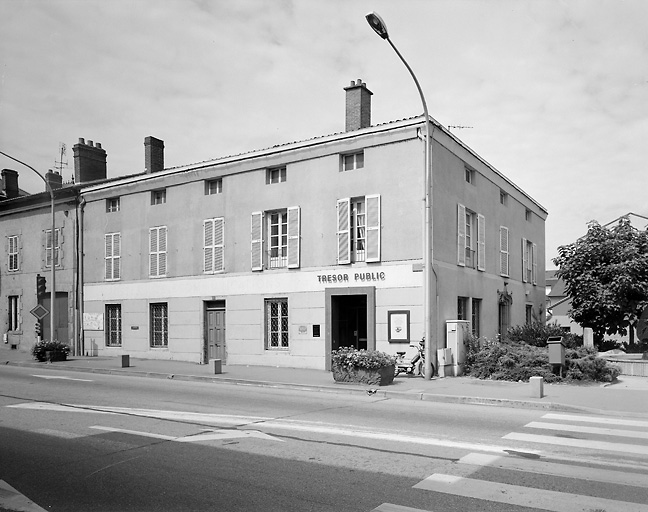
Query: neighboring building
559	303
30	249
278	256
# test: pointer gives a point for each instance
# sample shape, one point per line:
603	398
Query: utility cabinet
456	336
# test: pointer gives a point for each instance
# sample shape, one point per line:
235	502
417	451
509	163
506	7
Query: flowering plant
349	357
59	350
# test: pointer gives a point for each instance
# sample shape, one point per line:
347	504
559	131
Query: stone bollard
588	337
537	385
218	366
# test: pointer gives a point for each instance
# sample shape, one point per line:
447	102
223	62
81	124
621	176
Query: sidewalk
627	396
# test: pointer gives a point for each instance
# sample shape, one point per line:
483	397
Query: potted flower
50	351
362	366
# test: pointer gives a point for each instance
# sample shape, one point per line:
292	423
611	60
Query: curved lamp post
379	26
53	278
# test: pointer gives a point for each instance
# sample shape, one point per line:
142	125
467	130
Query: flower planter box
372	376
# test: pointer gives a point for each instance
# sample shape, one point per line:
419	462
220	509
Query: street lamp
53	278
379	26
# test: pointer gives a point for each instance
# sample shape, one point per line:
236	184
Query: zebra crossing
624	438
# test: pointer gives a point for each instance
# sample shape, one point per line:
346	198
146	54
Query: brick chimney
153	155
89	162
10	179
358	105
54	179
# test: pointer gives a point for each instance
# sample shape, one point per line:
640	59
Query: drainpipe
80	279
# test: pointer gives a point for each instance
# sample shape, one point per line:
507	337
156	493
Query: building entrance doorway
350	319
215	346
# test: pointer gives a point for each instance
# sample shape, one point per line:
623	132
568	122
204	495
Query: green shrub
350	357
536	334
58	350
517	361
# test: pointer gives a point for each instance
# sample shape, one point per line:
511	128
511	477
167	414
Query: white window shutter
504	251
208	246
116	256
108	257
344	231
162	240
219	244
461	235
534	256
525	260
294	231
257	240
372	204
153	248
481	242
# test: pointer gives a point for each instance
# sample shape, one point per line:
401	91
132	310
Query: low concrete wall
638	368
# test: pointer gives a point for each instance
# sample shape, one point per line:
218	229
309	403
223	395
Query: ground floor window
529	314
159	325
113	330
276	313
14	313
503	318
475	317
462	308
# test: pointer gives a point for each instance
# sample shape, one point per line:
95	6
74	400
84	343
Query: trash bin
556	350
125	360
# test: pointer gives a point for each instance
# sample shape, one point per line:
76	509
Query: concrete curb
338	389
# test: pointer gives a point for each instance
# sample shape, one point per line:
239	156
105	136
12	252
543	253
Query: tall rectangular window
462	308
358	234
214	260
57	247
503	317
13	251
471	238
113	327
529	261
276	239
504	251
528	311
475	319
159	325
470	175
276	324
13	309
158	251
112	204
113	256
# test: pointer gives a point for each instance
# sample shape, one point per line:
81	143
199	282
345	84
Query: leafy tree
606	277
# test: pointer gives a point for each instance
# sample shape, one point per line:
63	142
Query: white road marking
215	435
44	406
11	499
523	496
579	443
390	507
540	467
596	419
271	423
57	433
588	430
59	377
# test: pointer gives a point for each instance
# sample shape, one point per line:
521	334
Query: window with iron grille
13	250
113	329
276	324
14	313
159	325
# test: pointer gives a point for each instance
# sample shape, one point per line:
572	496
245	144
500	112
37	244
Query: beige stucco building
278	256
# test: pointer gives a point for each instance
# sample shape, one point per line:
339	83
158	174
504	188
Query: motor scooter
415	365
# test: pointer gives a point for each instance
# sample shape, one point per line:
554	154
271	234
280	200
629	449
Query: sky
552	93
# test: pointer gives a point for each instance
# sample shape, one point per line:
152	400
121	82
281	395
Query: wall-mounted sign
351	277
398	326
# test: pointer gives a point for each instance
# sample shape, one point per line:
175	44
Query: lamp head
377	24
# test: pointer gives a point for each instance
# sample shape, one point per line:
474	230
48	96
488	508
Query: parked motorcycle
416	365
